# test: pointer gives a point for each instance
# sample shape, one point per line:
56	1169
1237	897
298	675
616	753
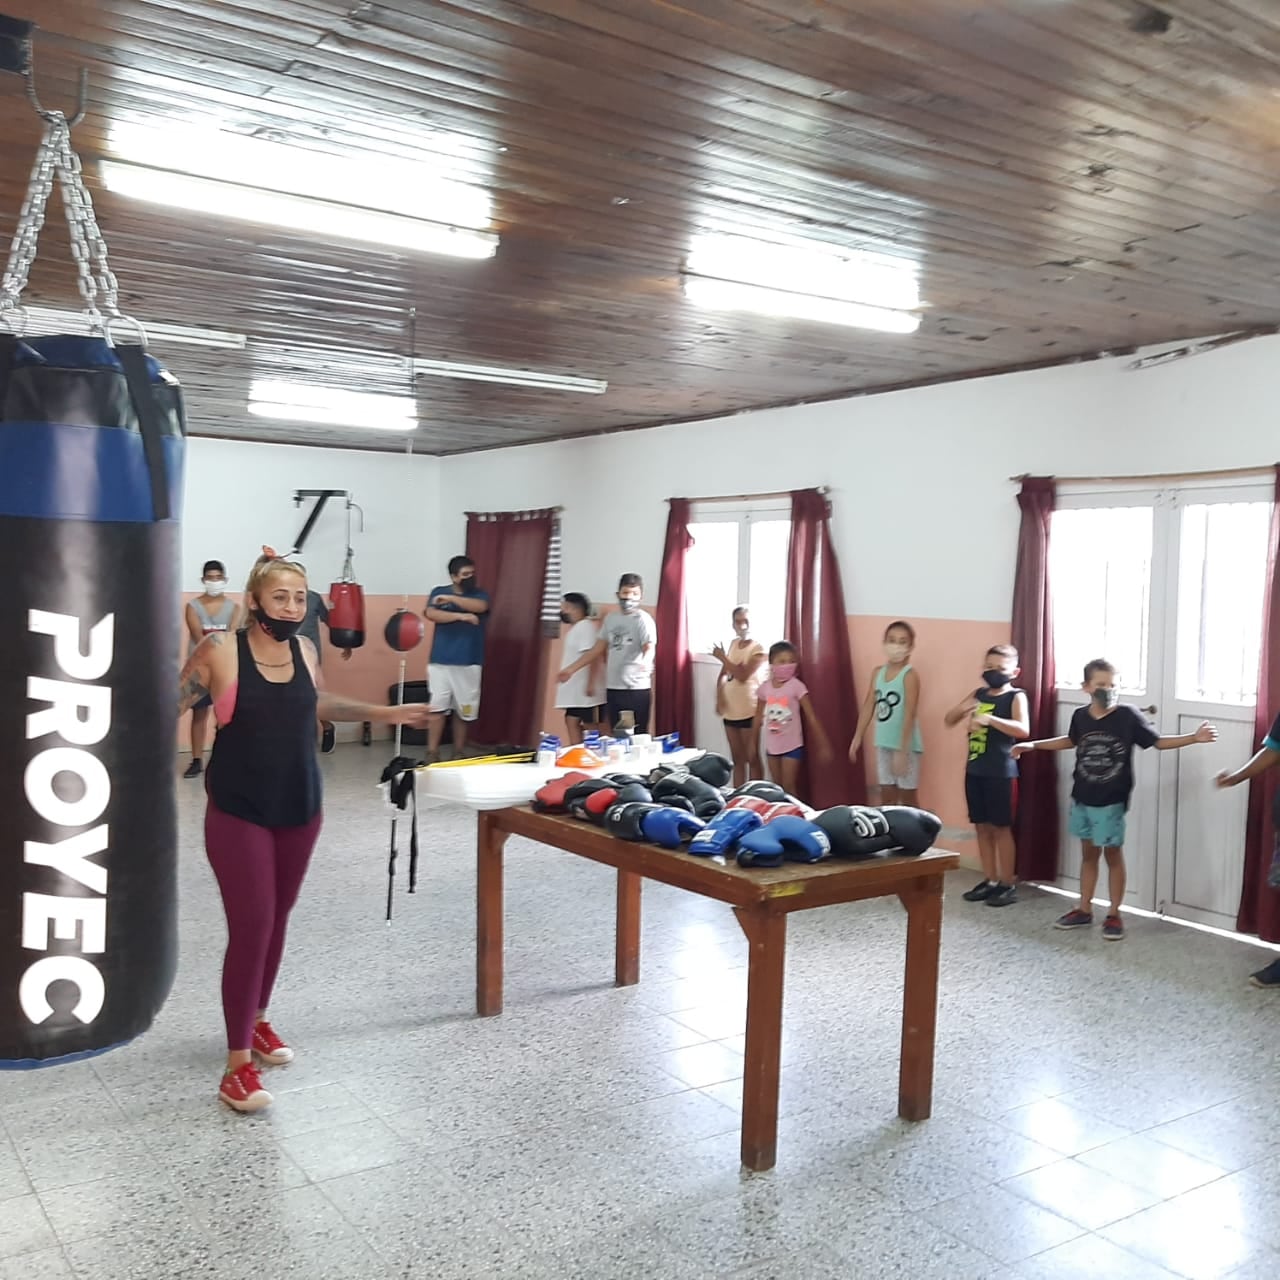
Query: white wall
239	496
924	515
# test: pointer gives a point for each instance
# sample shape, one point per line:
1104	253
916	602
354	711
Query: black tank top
990	751
263	768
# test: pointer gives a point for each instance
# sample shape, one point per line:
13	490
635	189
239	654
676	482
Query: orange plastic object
580	758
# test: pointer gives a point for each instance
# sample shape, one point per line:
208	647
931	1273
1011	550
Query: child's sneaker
983	889
242	1089
1002	895
1076	919
1113	929
269	1047
1268	977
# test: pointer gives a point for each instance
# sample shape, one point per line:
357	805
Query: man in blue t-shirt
459	611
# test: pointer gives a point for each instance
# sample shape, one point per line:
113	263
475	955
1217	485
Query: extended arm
1045	744
337	709
1266	759
1204	732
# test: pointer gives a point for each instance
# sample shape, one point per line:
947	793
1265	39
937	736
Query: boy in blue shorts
1104	734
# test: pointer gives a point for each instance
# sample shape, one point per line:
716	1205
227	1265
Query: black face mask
564	617
467	586
1105	699
996	679
277	628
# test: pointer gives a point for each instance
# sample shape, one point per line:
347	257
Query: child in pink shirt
785	710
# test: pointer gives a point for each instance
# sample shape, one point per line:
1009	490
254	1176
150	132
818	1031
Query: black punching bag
91	455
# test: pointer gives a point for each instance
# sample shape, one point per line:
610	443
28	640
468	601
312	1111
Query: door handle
1150	711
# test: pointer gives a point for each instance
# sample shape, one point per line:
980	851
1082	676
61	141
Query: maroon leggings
260	873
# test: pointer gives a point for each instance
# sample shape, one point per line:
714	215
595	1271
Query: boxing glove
762	790
551	797
596	805
634	793
783	809
753	804
624	820
723	832
577	794
620	780
668	827
859	832
706	800
913	830
712	768
788	839
661	771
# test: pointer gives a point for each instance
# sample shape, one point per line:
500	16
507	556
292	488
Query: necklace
275	666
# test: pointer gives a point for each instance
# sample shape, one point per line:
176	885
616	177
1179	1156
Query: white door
1167	584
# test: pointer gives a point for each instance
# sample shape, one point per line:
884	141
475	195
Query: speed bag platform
92	440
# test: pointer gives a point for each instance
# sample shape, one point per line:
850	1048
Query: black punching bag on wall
91	455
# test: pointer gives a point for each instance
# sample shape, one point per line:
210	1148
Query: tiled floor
1101	1110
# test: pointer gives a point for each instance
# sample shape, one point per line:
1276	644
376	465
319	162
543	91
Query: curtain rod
1227	474
749	497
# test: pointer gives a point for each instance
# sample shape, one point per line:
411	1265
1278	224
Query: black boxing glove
712	768
706	800
913	830
761	790
624	820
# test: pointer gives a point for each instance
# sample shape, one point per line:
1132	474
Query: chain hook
29	79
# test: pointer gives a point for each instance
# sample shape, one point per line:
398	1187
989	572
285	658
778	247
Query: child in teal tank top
893	703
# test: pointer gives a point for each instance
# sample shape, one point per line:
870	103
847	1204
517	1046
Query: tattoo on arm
345	710
191	690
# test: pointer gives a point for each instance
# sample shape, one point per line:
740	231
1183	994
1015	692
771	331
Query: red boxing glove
550	798
753	804
783	809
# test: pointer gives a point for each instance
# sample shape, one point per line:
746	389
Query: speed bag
404	631
346	616
91	453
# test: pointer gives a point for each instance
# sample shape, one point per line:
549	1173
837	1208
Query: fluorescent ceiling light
724	295
804	279
297	212
331	406
510	377
46	321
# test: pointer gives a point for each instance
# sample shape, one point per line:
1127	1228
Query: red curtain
819	628
510	549
1035	827
1260	905
673	665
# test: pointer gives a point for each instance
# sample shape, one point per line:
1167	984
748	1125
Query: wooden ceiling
1071	175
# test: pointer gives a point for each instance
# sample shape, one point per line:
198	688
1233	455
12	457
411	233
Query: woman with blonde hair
264	798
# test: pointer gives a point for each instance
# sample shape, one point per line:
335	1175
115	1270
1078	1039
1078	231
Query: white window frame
741	513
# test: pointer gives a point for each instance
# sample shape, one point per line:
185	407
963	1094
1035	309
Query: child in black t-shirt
1266	758
997	716
1104	734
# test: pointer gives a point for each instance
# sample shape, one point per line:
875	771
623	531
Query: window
552	591
1100	568
738	556
1222	570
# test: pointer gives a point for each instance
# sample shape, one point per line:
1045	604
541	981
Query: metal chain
99	288
22	252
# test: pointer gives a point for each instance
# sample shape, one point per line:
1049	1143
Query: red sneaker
268	1046
242	1089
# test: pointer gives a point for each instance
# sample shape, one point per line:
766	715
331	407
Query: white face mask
212	587
897	652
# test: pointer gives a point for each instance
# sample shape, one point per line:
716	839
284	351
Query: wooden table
761	900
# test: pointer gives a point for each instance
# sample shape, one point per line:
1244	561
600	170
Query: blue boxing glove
669	828
723	832
788	839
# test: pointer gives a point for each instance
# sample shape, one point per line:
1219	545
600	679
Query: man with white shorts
459	611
